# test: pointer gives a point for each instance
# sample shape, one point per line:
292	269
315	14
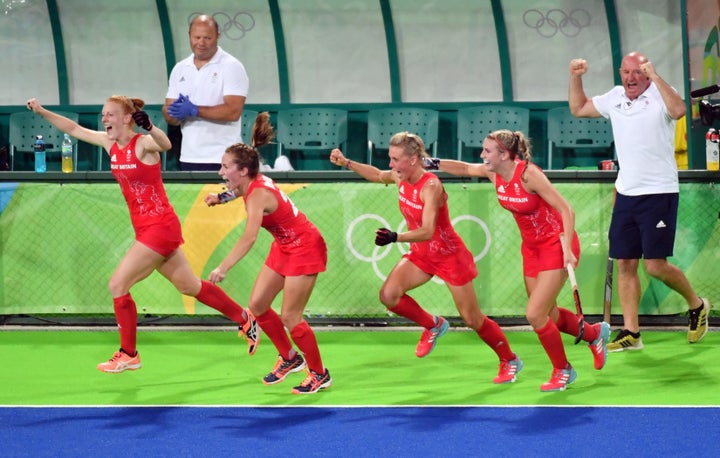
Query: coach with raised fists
643	111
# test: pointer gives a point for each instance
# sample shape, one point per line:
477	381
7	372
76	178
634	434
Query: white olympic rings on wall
380	252
232	27
556	20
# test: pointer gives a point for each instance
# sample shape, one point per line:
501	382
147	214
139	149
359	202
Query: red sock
492	335
126	317
212	296
551	341
568	323
271	324
304	338
408	308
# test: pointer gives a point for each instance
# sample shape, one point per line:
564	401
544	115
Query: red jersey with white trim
288	225
537	220
142	186
445	241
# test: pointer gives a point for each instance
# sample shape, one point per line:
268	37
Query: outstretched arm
459	168
69	126
369	172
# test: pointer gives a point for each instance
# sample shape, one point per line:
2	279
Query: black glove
431	163
141	119
384	236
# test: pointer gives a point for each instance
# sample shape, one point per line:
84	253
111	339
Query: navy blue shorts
643	226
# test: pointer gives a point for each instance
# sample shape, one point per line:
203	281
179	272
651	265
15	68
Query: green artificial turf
41	368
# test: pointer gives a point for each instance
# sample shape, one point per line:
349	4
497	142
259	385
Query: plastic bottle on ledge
39	148
712	149
67	154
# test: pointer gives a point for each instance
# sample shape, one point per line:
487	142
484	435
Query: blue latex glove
182	108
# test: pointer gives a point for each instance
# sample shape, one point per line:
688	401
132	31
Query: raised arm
579	104
69	126
156	140
674	103
458	168
369	172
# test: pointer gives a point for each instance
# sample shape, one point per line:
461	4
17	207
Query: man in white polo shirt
206	95
642	112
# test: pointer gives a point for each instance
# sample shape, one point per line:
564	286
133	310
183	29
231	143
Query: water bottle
39	148
712	149
67	154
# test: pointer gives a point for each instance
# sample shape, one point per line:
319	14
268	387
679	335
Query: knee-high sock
304	338
551	341
492	335
126	317
212	296
408	308
271	324
568	323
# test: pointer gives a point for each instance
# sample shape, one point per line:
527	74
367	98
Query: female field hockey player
297	255
135	164
435	250
542	215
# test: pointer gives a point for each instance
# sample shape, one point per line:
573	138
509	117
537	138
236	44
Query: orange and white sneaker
251	332
508	371
120	362
313	383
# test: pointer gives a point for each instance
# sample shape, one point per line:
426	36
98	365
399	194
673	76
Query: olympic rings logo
547	25
234	28
380	252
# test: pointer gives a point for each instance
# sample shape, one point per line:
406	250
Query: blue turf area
359	431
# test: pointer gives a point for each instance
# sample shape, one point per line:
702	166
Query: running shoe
508	371
120	362
313	383
598	347
283	368
625	341
560	379
251	332
698	321
429	337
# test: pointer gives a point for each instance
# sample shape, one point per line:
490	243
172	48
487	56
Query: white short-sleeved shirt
205	141
644	134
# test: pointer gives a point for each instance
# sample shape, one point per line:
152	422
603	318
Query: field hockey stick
607	302
578	305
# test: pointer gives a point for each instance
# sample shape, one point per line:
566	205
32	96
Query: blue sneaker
598	347
429	337
560	379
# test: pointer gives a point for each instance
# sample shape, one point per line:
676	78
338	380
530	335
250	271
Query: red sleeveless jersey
298	248
142	186
445	254
537	220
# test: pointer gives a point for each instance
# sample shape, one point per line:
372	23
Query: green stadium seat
578	135
383	123
475	123
307	135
